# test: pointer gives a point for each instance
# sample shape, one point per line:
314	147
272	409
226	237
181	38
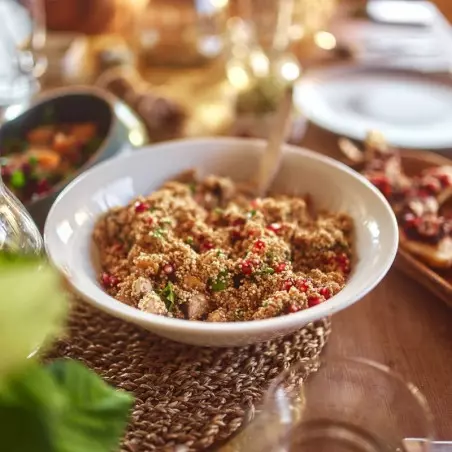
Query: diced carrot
64	144
83	132
41	135
46	158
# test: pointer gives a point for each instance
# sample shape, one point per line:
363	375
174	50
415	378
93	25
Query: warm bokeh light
325	40
290	71
259	63
238	76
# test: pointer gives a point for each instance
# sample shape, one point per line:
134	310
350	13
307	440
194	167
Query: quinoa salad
207	250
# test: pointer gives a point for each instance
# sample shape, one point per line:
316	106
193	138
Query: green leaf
94	416
63	407
168	295
32	309
221	282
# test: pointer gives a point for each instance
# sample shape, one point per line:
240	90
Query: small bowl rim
62	92
120	310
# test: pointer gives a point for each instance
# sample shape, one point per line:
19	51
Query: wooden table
399	324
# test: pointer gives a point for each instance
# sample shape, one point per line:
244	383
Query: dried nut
147	262
141	286
193	282
152	303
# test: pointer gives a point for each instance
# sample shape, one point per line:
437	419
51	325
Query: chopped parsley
218	211
192	186
158	233
220	283
168	295
267	271
251	213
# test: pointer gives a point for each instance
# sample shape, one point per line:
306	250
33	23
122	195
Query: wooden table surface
399	324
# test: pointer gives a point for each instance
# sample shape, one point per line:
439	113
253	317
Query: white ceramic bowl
333	186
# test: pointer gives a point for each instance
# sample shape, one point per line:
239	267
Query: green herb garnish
168	295
158	233
189	241
192	187
251	213
218	211
33	161
267	271
220	283
17	179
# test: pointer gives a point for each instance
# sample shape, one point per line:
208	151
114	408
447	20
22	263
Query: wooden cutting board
437	281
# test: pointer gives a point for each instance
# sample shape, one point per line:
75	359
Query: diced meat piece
197	306
152	303
141	286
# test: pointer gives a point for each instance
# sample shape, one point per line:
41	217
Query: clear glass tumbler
340	405
22	39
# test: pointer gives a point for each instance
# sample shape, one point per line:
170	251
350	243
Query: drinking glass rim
415	392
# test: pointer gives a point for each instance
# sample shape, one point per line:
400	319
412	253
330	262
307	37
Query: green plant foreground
59	407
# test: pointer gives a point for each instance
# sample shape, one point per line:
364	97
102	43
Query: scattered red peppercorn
274	227
325	292
287	285
314	301
108	280
168	269
302	285
382	183
247	268
254	203
292	308
140	207
150	221
206	246
259	245
280	267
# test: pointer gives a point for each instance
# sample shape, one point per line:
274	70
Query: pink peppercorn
140	207
280	267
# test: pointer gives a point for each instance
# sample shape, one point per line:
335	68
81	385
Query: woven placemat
185	395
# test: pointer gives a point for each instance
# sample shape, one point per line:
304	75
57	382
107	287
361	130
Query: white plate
332	185
411	109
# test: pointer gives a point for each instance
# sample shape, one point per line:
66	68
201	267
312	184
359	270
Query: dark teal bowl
119	129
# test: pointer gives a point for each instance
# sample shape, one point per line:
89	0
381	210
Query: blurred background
197	67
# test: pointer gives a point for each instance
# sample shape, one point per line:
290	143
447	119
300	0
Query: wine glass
22	39
18	232
340	404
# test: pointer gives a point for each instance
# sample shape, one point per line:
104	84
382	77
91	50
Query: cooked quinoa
204	250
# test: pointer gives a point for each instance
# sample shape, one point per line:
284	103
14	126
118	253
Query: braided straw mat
185	395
